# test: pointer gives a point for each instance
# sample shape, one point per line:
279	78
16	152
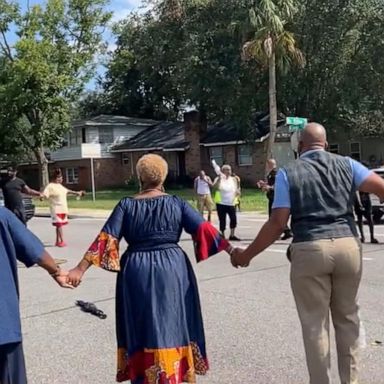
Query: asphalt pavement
252	329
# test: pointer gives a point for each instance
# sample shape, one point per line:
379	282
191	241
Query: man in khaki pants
202	186
317	191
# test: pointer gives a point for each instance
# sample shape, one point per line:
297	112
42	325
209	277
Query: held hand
61	278
238	258
74	276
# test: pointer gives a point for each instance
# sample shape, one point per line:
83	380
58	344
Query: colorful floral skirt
159	325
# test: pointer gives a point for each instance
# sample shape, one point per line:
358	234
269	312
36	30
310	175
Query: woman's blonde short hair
152	169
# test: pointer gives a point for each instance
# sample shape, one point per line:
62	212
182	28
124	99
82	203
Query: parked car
377	207
27	200
28	205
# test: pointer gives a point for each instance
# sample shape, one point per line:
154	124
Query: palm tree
270	44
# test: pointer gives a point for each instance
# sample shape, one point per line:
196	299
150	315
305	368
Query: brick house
91	138
345	142
191	145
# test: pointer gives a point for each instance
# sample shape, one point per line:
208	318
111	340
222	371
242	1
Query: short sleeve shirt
282	198
12	191
57	195
17	243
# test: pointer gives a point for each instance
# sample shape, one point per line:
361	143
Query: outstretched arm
274	227
31	192
59	275
76	193
373	184
30	250
104	251
269	233
207	239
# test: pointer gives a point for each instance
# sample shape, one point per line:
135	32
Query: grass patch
252	199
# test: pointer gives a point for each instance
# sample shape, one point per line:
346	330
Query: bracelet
57	272
230	250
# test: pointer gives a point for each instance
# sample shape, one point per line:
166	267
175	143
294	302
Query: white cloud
120	14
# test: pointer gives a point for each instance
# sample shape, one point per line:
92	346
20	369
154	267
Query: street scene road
252	328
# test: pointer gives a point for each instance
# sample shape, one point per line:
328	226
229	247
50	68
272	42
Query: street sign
296	123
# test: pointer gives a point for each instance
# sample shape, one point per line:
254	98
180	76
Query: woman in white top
225	198
56	193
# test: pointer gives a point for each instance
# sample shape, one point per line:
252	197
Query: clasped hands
68	279
239	258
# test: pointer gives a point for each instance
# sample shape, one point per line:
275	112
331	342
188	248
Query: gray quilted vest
322	195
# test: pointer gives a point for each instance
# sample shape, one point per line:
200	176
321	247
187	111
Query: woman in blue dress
159	326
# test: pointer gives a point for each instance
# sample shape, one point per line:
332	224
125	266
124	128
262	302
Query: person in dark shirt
269	187
13	188
17	243
363	209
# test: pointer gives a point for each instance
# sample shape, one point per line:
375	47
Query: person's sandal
234	238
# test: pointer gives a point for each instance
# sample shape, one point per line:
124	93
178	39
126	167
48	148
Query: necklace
150	190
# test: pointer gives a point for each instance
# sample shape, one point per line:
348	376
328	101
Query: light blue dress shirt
282	198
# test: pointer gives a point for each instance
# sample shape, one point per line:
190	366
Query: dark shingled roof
228	132
170	135
164	135
111	120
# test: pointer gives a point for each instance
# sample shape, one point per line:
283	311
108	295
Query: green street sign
296	123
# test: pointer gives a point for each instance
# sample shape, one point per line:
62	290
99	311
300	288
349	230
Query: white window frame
105	132
219	158
335	149
125	158
352	153
244	160
72	175
74	138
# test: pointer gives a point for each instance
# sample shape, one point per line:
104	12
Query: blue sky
120	9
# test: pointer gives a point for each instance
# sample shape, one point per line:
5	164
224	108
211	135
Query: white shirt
228	190
202	186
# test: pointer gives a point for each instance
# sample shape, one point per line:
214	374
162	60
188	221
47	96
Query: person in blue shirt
317	191
17	243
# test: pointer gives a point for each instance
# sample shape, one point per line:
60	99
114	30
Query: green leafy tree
272	45
45	68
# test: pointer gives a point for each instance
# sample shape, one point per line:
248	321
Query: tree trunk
272	105
43	166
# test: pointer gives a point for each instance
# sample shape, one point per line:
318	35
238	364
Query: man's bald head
313	136
271	164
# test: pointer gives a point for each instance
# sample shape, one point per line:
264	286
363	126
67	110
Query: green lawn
252	199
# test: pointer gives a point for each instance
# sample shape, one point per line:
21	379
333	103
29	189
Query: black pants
12	364
367	213
222	212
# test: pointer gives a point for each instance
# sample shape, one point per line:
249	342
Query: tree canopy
188	52
48	54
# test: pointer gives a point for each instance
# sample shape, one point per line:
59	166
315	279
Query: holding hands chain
238	258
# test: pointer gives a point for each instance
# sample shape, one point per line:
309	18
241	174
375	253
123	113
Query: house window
355	151
334	148
216	153
105	135
125	158
72	175
75	138
244	155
